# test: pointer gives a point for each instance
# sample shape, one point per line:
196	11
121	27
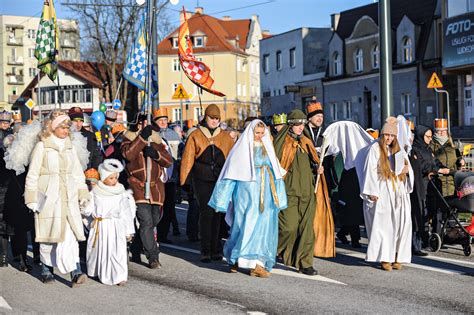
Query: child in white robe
111	213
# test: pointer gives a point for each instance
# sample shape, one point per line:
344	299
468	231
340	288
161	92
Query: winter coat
57	174
132	150
446	154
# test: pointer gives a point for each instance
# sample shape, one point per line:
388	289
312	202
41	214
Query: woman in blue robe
252	192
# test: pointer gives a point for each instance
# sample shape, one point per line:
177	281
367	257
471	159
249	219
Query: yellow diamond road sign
180	93
435	82
30	103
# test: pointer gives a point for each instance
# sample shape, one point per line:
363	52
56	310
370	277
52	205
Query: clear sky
277	16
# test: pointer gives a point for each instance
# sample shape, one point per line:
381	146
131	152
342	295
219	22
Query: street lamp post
385	35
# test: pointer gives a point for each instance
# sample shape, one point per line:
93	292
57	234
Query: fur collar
103	190
207	133
49	143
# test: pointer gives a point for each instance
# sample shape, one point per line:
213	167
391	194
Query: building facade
231	49
458	60
351	89
18	65
293	66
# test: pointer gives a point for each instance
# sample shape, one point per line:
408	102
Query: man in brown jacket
136	149
204	155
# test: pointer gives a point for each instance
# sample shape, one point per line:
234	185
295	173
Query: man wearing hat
204	155
139	148
77	117
173	141
448	155
278	122
298	157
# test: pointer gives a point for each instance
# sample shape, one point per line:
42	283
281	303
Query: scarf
440	139
103	190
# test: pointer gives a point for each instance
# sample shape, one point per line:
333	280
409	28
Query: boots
386	266
3	251
23	264
260	272
396	265
470	228
234	268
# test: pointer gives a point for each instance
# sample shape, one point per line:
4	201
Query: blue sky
276	16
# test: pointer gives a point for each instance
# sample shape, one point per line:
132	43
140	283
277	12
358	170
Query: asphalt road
442	283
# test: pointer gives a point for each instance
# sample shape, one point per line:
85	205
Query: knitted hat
213	111
160	113
279	119
296	116
441	124
5	116
109	167
92	175
314	109
76	113
111	115
391	126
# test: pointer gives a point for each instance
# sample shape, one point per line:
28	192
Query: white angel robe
111	214
388	220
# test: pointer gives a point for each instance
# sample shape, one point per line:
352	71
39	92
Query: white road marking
290	273
412	265
4	304
450	260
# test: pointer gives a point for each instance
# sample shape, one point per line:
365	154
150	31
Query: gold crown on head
279	119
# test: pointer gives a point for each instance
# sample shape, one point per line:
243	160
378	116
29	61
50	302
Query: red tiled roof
218	33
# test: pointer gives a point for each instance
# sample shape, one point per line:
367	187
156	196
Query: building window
31	52
333	108
239	89
197	113
88	95
266	63
239	64
336	64
175	86
375	57
406	103
176	114
175	42
198	41
176	66
293	57
32	72
358	60
31	34
407	50
347	110
278	60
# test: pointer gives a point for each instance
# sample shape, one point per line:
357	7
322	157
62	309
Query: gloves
32	206
146	132
150	152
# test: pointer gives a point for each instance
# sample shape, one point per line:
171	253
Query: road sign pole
182	113
448	108
385	35
39	99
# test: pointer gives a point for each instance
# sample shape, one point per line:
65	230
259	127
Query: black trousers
169	211
148	217
19	242
352	230
209	219
192	218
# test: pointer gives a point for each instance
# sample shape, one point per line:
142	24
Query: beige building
231	49
18	65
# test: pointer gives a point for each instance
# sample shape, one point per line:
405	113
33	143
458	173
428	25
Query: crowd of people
104	197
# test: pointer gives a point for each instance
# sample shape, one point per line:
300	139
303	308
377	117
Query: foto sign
458	41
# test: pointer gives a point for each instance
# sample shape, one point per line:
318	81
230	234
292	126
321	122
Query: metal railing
14	60
13	98
15	41
15	79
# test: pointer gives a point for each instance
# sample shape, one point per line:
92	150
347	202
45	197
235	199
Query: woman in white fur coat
112	214
55	185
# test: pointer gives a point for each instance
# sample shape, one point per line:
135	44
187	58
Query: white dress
388	220
111	214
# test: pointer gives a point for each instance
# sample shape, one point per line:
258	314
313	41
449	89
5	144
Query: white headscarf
240	166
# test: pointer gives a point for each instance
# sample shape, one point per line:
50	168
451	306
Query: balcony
13	98
14	60
15	79
15	41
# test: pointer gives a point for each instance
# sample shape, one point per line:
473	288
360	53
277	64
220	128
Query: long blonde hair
47	130
384	163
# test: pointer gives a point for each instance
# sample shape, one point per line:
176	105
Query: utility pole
385	36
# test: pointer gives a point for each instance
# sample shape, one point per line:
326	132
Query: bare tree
108	29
